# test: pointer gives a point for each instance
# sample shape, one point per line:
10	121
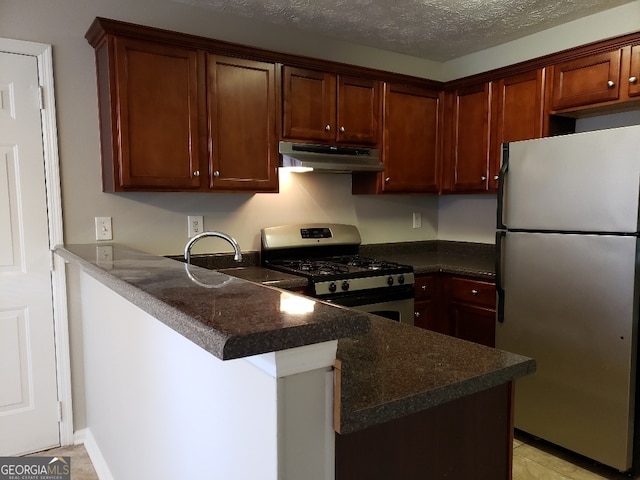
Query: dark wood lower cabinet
474	323
458	306
427	315
467	438
427	307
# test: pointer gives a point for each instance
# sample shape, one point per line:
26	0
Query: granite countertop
384	370
227	316
395	370
476	260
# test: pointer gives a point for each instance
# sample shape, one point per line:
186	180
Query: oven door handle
370	297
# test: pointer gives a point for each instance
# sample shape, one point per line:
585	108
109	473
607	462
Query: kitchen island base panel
159	406
470	437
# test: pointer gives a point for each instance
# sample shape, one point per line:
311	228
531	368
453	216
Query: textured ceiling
438	30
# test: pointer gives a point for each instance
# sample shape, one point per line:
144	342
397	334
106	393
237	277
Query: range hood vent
329	158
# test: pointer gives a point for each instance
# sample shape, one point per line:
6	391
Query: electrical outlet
196	225
104	256
103	228
417	220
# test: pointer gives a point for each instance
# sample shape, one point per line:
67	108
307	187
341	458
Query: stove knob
401	279
390	280
345	285
332	287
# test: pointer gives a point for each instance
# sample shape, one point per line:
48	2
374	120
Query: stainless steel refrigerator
567	281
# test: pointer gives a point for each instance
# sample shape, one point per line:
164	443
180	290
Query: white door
28	392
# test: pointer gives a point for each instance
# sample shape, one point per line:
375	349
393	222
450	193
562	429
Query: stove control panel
318	232
333	287
363	283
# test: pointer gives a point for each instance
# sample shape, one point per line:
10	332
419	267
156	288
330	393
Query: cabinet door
634	72
426	315
427	306
517	114
473	323
358	113
155	141
468	152
586	81
473	309
309	104
411	126
242	121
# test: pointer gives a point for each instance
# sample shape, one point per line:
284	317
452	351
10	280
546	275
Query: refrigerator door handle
501	185
501	237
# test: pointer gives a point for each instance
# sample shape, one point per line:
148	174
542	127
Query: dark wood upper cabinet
411	142
149	115
330	108
176	117
243	148
466	142
634	71
309	104
603	82
358	113
587	80
411	139
180	112
517	114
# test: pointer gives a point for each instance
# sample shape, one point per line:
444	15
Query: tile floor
538	460
532	460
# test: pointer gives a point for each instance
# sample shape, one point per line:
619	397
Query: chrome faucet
236	248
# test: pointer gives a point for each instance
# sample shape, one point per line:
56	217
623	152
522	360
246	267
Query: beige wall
157	222
472	217
611	23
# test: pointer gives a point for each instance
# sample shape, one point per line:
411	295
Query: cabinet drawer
473	291
424	286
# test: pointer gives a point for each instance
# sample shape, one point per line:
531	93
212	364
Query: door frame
43	54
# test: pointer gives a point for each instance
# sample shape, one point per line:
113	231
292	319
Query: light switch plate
103	228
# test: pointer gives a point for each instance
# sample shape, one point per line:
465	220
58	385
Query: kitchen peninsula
192	373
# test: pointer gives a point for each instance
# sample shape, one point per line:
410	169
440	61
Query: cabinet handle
474	292
424	288
633	79
196	173
416	314
327	128
341	129
496	177
611	84
387	180
216	173
483	178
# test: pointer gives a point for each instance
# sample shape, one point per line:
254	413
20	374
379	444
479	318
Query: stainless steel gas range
327	255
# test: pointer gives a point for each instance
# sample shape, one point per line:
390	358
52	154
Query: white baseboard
85	437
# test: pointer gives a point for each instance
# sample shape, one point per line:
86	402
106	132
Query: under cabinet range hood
304	157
